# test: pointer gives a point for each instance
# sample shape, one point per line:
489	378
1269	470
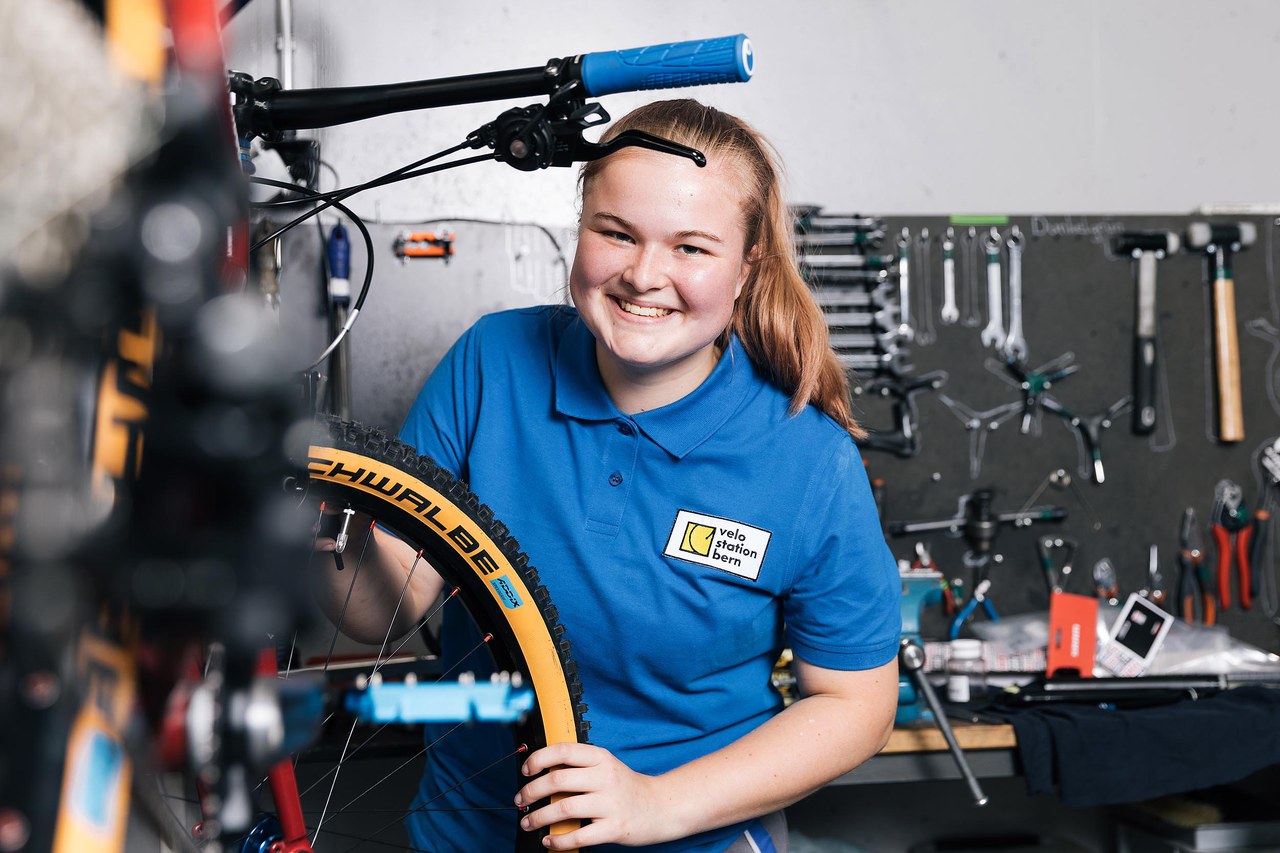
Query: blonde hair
776	318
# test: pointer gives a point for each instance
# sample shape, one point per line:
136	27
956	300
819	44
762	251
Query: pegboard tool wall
1079	298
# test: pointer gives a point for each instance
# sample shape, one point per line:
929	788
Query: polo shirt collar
678	427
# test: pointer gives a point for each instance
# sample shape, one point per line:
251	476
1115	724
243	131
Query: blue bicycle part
728	59
441	702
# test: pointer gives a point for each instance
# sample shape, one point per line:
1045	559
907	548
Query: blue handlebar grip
728	59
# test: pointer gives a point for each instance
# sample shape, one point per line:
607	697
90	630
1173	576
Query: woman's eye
691	250
617	235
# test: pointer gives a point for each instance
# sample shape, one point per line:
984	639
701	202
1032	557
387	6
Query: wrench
855	297
1015	345
881	319
904	284
889	341
889	362
993	335
950	311
823	277
972	316
841	222
867	239
843	263
926	334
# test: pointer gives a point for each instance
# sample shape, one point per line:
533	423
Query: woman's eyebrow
678	235
613	218
705	235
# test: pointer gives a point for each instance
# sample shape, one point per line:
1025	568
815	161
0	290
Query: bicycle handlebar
726	59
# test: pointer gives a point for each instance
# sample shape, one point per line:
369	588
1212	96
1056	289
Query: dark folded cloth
1092	756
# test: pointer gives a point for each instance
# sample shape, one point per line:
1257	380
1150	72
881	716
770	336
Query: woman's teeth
643	311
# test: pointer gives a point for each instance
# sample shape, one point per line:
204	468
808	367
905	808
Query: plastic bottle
966	670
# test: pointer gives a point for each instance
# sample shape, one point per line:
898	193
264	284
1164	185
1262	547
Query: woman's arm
379	563
843	719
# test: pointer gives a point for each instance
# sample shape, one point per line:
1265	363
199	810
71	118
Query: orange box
1073	634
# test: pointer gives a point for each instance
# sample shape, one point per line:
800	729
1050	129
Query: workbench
918	752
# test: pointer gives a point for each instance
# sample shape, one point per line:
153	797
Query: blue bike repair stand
921	588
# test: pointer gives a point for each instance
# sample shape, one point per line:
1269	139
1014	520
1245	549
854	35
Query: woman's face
661	259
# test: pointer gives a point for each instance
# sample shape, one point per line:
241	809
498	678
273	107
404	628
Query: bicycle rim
350	465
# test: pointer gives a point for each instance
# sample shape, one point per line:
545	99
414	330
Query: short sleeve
842	606
441	423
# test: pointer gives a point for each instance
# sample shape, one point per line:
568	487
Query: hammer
1146	248
1219	240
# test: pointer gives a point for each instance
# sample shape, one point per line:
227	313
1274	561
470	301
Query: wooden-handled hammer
1146	248
1219	241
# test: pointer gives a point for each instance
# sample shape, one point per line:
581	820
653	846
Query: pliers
1193	581
1056	578
1231	521
979	597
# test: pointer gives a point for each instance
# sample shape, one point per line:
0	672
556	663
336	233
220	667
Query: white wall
918	106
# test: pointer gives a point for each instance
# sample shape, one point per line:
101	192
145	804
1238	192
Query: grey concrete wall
919	106
916	106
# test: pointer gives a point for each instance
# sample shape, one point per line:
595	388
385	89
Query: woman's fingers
588	783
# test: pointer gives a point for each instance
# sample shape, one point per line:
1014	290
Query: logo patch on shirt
718	543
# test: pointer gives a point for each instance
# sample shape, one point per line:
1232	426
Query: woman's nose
645	271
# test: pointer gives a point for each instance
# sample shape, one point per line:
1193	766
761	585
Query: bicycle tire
408	493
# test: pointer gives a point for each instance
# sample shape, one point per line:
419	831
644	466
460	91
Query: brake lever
639	139
535	137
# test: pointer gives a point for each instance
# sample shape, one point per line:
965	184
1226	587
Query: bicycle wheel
353	466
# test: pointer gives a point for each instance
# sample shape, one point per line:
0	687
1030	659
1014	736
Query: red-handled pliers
1231	520
1193	583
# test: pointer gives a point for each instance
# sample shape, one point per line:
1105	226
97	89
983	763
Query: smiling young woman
776	318
675	453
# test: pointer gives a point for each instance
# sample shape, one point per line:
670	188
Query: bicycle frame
161	377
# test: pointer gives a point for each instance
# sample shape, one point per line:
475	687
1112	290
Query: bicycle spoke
392	844
377	664
337	628
520	750
382	727
407	762
350	756
365	743
155	803
341	759
422	624
483	642
293	645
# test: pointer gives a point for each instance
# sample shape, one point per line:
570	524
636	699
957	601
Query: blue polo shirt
683	546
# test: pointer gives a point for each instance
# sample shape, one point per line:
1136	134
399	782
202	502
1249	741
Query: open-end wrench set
865	291
1117	368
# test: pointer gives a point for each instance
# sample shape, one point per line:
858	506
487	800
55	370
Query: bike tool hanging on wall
979	524
865	296
1219	242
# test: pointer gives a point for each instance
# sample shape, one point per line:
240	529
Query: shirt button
625	428
615	479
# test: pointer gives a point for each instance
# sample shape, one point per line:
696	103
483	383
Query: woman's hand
624	807
378	578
